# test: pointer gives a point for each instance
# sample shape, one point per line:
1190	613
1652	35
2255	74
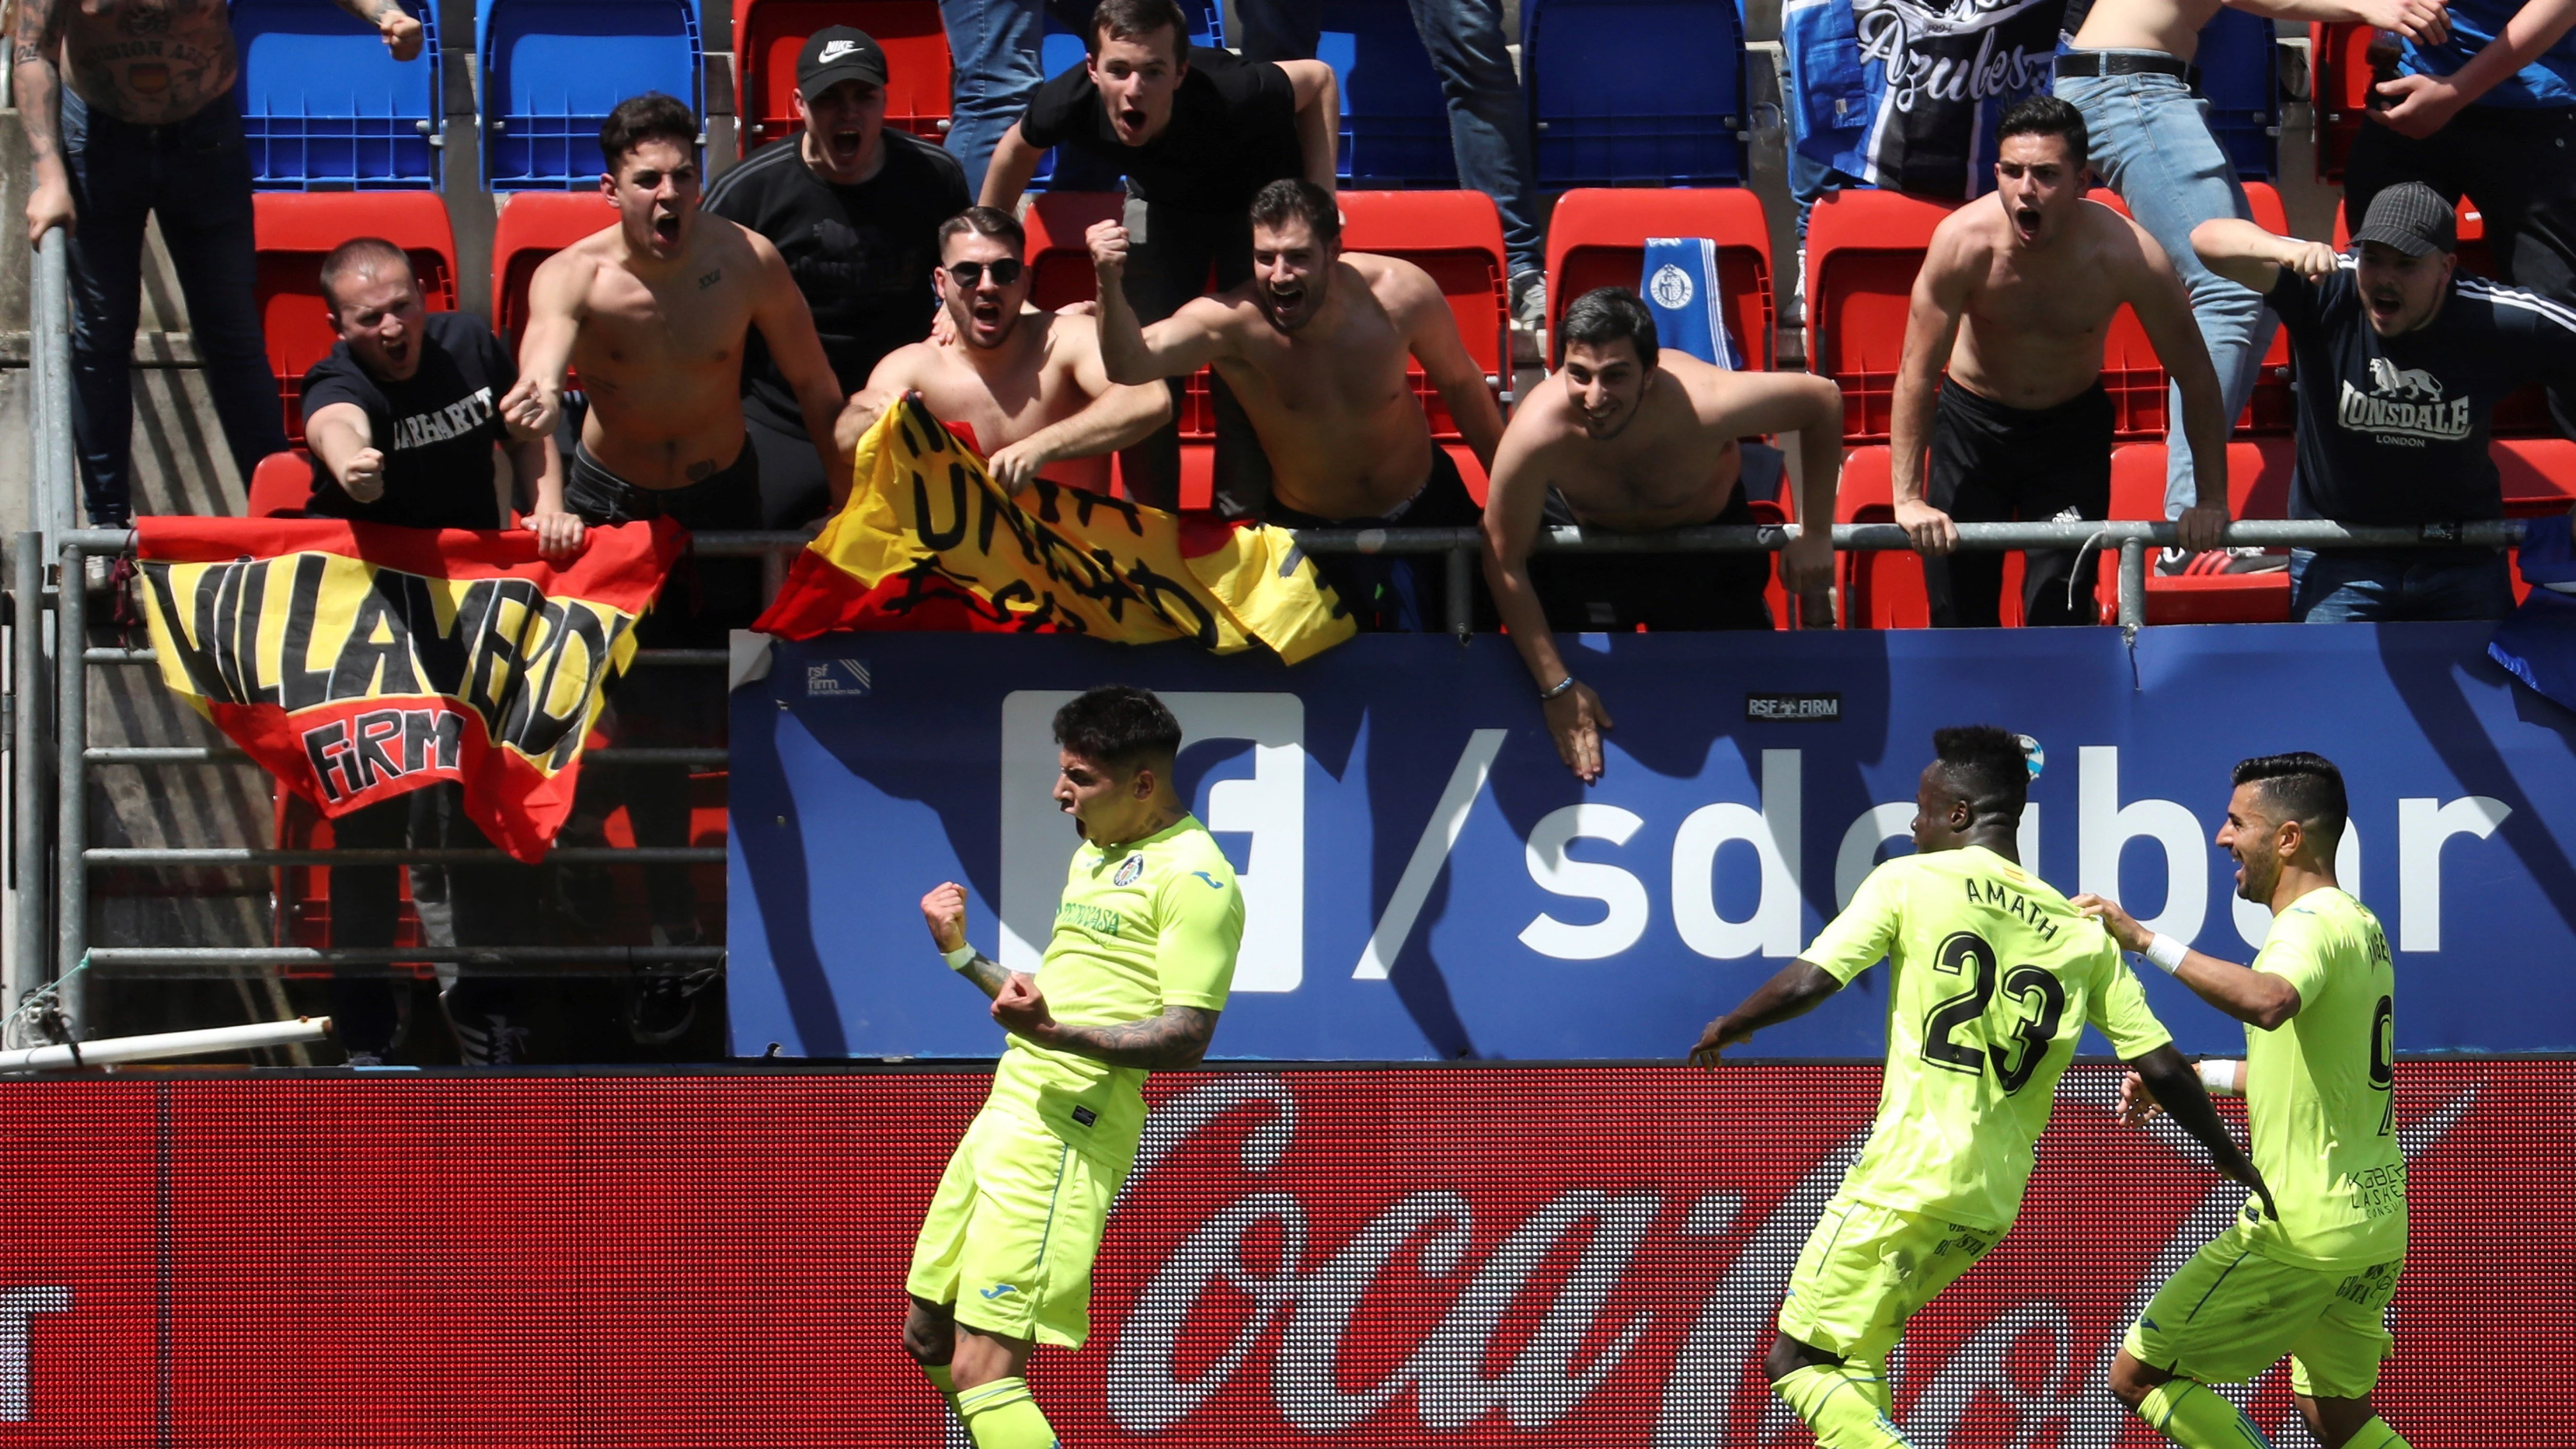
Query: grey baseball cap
837	53
2411	217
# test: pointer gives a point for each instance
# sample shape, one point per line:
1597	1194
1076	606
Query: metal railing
71	757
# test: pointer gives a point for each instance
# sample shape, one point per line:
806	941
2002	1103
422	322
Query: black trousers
485	905
1995	464
1402	593
793	490
657	706
2519	166
1613	593
1173	256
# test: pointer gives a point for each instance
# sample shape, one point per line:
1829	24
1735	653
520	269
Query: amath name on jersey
526	664
1995	895
452	421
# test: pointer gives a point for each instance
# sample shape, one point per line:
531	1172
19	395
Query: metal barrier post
1462	593
29	789
2133	583
49	344
71	800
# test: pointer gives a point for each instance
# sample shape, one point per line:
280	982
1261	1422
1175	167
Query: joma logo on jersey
1994	895
353	756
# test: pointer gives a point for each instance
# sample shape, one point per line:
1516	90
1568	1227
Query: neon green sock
1844	1404
2376	1435
2195	1417
941	1380
1001	1415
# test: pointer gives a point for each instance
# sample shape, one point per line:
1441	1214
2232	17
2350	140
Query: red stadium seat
533	226
1457	237
770	34
2339	71
2258	486
2539	476
1881	589
295	230
1059	260
280	485
1597	238
1863	249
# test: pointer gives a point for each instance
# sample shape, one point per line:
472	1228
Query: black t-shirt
2393	430
862	255
1233	131
436	428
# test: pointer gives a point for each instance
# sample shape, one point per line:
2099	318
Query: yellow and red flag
361	661
929	541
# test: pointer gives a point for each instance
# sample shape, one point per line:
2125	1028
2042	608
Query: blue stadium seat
553	69
2241	79
327	108
1634	92
1061	49
1395	123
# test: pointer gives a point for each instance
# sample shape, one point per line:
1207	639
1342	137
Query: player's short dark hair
1120	726
360	254
2302	786
651	116
1296	199
985	221
2049	116
1138	20
1608	314
1986	765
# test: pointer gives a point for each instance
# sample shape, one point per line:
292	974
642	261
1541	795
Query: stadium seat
1061	49
326	106
1060	272
1881	588
532	227
2539	476
280	485
768	35
2242	82
1634	92
553	69
296	230
1863	248
1597	238
2339	88
1456	236
1395	122
2258	486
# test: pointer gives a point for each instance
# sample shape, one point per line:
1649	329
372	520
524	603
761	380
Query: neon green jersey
1995	978
2320	1091
1151	925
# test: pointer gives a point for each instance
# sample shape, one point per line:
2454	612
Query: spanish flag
361	661
929	541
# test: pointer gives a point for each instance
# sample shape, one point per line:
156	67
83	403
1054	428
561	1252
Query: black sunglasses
971	274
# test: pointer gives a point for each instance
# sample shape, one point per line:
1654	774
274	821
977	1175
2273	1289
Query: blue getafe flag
2538	642
1680	288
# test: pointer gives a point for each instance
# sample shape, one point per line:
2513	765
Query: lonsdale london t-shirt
2393	430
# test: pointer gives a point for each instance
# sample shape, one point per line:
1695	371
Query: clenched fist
1108	242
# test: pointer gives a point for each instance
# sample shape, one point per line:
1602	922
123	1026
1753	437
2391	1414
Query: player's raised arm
2176	1087
1174	1041
2257	998
1931	330
944	911
1793	991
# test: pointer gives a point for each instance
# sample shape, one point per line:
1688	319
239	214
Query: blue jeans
993	52
195	175
2151	143
2328	588
1488	115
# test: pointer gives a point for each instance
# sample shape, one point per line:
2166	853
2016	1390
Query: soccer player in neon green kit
2319	1006
1995	977
1133	978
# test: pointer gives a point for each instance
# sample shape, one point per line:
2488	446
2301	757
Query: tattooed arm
1173	1041
400	31
39	85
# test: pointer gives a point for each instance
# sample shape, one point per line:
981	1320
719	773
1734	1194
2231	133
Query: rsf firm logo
1619	884
838	679
1269	806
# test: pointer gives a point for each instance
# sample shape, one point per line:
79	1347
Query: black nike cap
837	53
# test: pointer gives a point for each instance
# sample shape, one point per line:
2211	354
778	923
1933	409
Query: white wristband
957	960
2166	953
2218	1074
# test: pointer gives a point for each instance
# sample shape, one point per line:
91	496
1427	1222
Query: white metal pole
165	1045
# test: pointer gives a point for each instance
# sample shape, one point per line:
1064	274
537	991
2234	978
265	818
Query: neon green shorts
1867	1269
2229	1315
1011	1232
